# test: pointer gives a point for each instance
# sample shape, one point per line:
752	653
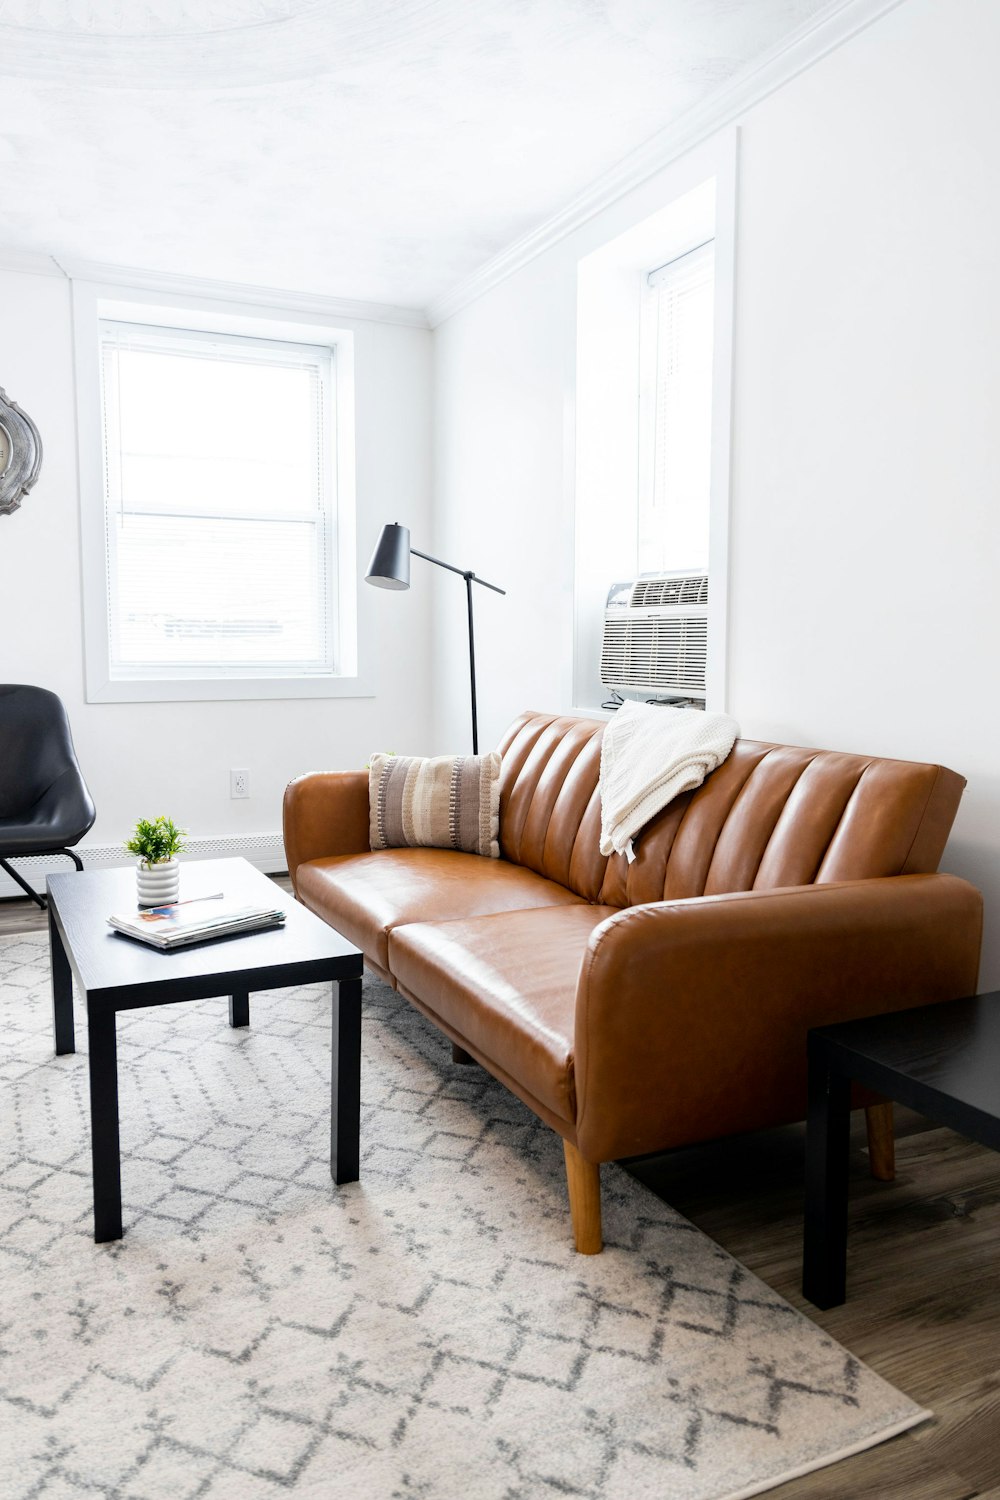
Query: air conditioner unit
656	635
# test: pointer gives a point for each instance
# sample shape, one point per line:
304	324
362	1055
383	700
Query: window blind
674	511
219	504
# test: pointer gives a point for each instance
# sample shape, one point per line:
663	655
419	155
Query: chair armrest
691	1016
325	813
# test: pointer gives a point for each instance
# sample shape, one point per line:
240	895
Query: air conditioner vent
678	589
656	634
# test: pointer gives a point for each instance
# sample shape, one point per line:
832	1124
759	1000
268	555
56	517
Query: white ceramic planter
158	884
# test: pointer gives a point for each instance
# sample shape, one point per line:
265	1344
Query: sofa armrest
325	813
691	1016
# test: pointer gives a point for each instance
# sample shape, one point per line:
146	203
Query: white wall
140	759
865	530
503	499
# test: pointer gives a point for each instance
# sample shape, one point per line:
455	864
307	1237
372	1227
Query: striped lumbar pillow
450	802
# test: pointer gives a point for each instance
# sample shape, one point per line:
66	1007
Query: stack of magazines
197	921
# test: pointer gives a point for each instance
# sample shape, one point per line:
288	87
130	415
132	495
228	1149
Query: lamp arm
495	587
462	572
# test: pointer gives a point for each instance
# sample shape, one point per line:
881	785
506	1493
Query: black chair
44	802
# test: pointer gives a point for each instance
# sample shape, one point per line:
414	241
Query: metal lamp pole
470	579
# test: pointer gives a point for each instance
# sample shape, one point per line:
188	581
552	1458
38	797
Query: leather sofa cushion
364	896
507	985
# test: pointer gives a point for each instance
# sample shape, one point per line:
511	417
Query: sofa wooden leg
881	1141
583	1178
459	1055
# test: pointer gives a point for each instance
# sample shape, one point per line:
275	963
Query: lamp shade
390	564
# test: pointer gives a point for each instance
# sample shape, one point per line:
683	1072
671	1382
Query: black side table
941	1060
115	973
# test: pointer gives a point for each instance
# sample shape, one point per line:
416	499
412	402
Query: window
653	407
676	345
220	520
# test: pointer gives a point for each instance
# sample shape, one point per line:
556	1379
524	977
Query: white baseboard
265	850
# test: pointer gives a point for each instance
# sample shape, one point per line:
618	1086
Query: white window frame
649	357
94	304
151	338
602	482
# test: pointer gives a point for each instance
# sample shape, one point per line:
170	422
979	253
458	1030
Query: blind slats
219	504
674	509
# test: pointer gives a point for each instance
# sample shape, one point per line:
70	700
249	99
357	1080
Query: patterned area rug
425	1334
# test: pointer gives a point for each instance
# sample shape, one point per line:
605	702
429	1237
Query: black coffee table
941	1060
115	973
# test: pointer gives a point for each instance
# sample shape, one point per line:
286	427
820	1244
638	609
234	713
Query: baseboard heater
265	850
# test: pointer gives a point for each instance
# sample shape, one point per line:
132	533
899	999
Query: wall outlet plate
239	783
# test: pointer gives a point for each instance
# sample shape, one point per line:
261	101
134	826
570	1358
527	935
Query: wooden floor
923	1303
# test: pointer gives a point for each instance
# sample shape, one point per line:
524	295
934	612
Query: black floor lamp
390	569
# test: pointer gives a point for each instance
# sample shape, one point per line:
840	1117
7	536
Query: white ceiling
346	147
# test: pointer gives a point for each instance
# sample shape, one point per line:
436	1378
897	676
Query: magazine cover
194	921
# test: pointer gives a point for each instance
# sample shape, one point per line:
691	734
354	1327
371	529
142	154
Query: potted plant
158	874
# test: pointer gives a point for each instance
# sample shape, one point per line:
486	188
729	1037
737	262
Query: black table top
947	1052
126	972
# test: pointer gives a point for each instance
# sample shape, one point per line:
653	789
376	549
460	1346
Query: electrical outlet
239	783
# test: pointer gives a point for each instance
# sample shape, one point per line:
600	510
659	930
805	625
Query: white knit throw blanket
649	755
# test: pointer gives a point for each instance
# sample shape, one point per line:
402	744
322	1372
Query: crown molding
831	28
27	262
314	304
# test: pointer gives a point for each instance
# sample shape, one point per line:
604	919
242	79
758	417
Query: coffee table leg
104	1126
239	1009
345	1110
62	991
828	1139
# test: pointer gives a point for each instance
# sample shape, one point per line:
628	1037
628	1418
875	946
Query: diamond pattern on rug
427	1333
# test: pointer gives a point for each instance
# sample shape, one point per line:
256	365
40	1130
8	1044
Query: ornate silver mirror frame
20	454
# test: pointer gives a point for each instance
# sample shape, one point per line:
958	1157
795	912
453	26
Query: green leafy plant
156	841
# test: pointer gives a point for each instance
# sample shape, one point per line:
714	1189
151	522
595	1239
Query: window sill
589	711
225	689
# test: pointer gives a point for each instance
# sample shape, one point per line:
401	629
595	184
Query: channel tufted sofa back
770	816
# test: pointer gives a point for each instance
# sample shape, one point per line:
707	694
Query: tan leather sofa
646	1006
